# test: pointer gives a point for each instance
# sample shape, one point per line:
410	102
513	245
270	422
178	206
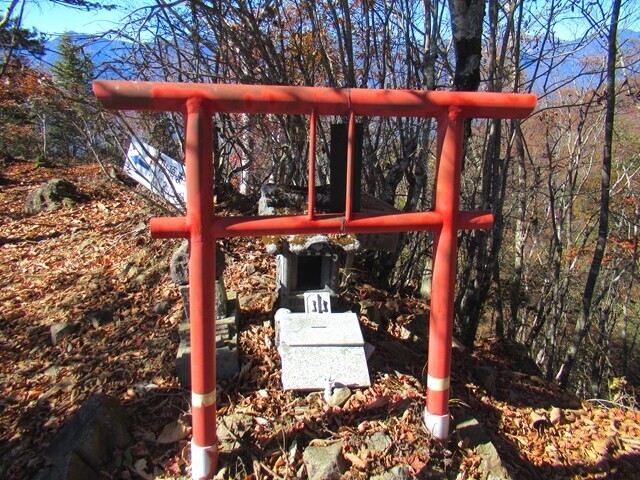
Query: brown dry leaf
556	416
356	461
173	432
537	421
604	446
378	403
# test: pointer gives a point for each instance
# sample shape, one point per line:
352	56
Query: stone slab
320	350
312	368
315	329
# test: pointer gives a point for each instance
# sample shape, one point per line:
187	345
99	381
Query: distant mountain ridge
102	51
579	68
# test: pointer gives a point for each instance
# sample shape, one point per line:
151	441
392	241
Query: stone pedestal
226	306
227	362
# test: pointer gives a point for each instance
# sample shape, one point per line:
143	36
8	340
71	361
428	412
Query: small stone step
227	361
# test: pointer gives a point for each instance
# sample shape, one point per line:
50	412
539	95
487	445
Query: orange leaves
57	266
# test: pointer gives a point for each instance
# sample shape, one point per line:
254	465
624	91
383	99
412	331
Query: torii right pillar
445	249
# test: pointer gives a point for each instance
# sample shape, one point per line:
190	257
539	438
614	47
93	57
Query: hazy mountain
570	67
575	66
101	50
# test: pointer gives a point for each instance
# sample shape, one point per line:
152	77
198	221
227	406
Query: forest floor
58	266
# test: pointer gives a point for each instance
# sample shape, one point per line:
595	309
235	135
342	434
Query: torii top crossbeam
198	102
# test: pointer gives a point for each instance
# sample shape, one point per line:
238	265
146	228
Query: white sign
161	174
317	302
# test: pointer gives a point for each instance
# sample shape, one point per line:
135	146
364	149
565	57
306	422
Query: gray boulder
98	318
325	463
379	442
61	330
51	196
88	440
399	472
179	265
468	430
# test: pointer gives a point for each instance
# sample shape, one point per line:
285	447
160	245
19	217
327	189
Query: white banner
159	173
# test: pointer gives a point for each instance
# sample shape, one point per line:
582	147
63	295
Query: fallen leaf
556	416
356	461
173	432
537	421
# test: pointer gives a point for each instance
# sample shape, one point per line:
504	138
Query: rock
339	397
179	264
51	196
98	318
486	378
225	305
371	311
60	331
92	434
325	463
378	442
231	429
227	359
162	308
221	299
71	467
399	472
556	416
52	371
469	431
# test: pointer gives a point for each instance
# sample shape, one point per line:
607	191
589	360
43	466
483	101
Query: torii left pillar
199	178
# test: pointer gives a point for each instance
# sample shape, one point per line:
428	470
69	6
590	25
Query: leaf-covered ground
60	266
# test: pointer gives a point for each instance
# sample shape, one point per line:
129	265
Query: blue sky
51	18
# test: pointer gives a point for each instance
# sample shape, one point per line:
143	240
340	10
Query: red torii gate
199	102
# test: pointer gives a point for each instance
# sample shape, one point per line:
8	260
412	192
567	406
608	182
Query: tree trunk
584	321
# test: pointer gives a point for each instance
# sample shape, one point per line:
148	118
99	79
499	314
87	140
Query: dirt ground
61	265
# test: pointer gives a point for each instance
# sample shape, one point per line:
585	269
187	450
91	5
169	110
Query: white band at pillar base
201	465
438	425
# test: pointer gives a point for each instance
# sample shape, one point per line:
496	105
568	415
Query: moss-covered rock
51	196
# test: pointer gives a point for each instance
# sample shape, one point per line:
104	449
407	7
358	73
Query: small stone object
486	378
339	397
556	417
52	371
227	360
399	472
98	318
86	443
51	196
378	442
325	463
179	264
468	429
60	331
162	308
